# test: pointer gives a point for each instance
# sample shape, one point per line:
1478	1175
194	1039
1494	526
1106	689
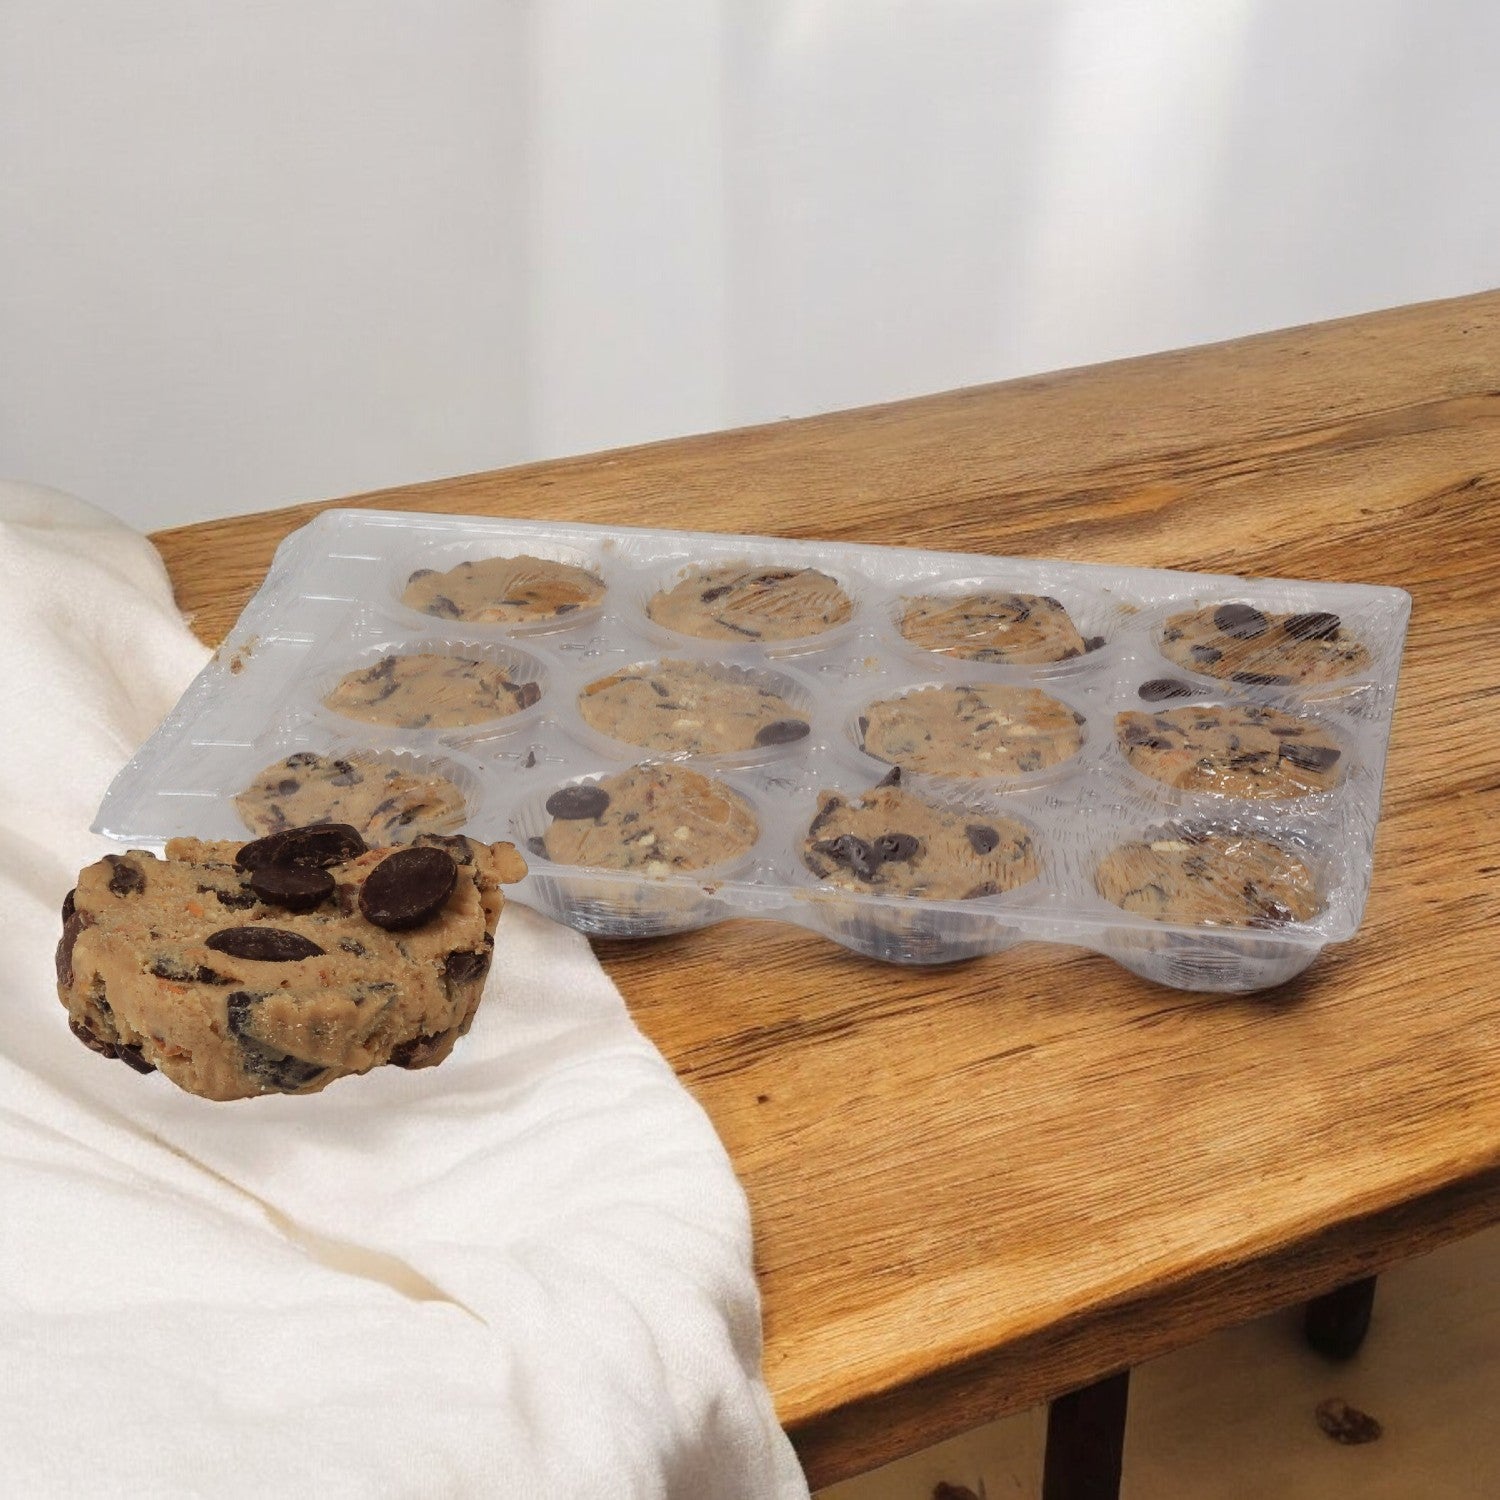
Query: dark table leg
1336	1323
1086	1441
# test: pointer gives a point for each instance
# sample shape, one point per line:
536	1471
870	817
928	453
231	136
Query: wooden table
979	1187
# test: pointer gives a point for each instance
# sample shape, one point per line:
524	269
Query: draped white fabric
253	253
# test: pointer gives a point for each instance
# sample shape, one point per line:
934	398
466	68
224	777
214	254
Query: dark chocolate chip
455	844
126	878
464	967
421	573
133	1057
284	1072
239	900
89	1040
415	1051
408	888
72	926
825	813
354	946
165	967
582	800
443	607
300	759
782	731
1309	757
891	777
267	945
1243	621
1164	687
1048	599
1346	1424
537	845
530	760
314	847
1261	679
526	693
717	592
69	903
982	838
291	886
891	846
287	787
864	725
853	853
1207	655
1320	625
1095	643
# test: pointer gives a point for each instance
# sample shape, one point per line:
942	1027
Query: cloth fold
526	1273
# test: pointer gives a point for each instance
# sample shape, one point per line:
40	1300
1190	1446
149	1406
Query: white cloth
525	1274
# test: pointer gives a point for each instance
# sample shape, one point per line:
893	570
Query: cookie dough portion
757	604
199	967
1240	643
1221	879
653	819
429	691
889	842
386	803
690	707
990	730
504	591
1238	750
993	626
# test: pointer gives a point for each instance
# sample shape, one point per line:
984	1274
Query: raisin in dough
993	626
326	992
652	819
385	802
1243	644
428	691
990	730
1237	750
891	842
1222	879
757	604
504	591
690	707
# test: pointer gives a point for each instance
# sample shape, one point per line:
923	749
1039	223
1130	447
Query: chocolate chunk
314	847
354	946
287	787
267	945
408	888
1208	655
782	731
68	906
420	573
301	758
126	878
1164	687
526	693
1095	643
414	1052
891	846
891	777
853	853
717	592
89	1040
283	1072
581	800
982	838
133	1057
74	924
442	606
239	900
537	845
1320	625
291	886
1261	679
530	760
454	843
1309	757
166	967
1243	621
464	967
825	813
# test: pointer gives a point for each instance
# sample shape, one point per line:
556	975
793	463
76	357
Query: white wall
252	253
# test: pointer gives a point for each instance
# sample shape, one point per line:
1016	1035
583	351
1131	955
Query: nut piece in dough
387	802
1217	878
180	964
752	604
690	707
991	625
1240	643
988	730
888	841
429	691
652	819
1236	750
504	591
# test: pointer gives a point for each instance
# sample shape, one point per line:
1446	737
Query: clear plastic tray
332	603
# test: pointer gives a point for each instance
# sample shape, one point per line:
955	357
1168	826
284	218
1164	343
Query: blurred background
254	253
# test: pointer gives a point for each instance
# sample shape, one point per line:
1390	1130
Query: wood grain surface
977	1187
